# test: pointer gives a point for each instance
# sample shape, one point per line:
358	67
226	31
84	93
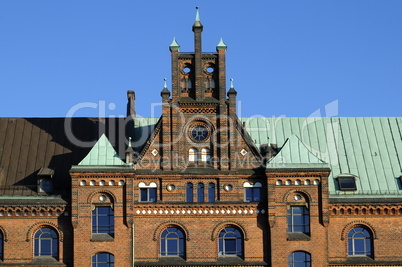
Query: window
103	260
45	186
205	155
193	155
103	220
46	243
147	192
189	192
211	192
298	220
360	242
299	259
200	192
253	191
172	242
230	242
347	183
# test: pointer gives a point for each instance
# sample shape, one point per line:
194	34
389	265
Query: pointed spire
221	45
165	93
197	23
129	148
231	91
174	46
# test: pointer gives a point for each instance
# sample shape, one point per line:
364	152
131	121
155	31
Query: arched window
103	259
200	192
252	191
205	155
211	192
46	243
230	242
103	220
189	192
360	242
193	155
172	242
300	259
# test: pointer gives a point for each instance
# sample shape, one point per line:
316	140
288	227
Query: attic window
347	183
45	181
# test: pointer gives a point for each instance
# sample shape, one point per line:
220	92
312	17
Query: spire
197	23
129	152
231	91
165	93
174	46
221	45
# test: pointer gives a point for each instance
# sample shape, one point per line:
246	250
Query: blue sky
287	57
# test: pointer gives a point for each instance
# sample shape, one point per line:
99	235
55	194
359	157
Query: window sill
102	238
298	237
46	260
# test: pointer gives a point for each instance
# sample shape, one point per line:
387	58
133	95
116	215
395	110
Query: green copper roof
102	154
221	45
293	152
368	147
174	45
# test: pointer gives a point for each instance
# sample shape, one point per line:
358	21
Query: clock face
199	133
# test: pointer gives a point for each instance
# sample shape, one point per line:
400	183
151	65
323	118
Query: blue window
103	260
360	242
298	220
148	194
230	242
189	192
172	242
103	220
253	191
200	192
299	259
46	243
211	192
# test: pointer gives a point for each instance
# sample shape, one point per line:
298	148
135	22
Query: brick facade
199	184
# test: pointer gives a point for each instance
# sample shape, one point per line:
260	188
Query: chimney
130	104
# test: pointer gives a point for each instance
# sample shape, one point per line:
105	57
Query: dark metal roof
29	144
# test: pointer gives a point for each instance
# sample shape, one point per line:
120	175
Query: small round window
228	187
186	70
209	70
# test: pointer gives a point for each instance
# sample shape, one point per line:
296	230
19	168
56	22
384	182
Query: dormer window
347	182
45	181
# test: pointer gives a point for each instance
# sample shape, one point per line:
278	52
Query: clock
199	133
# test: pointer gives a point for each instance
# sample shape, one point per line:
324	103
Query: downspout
132	227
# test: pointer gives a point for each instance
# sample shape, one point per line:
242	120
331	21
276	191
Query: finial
165	93
197	22
197	14
231	91
174	46
221	45
129	142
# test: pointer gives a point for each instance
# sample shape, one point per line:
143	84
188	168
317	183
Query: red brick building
200	186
